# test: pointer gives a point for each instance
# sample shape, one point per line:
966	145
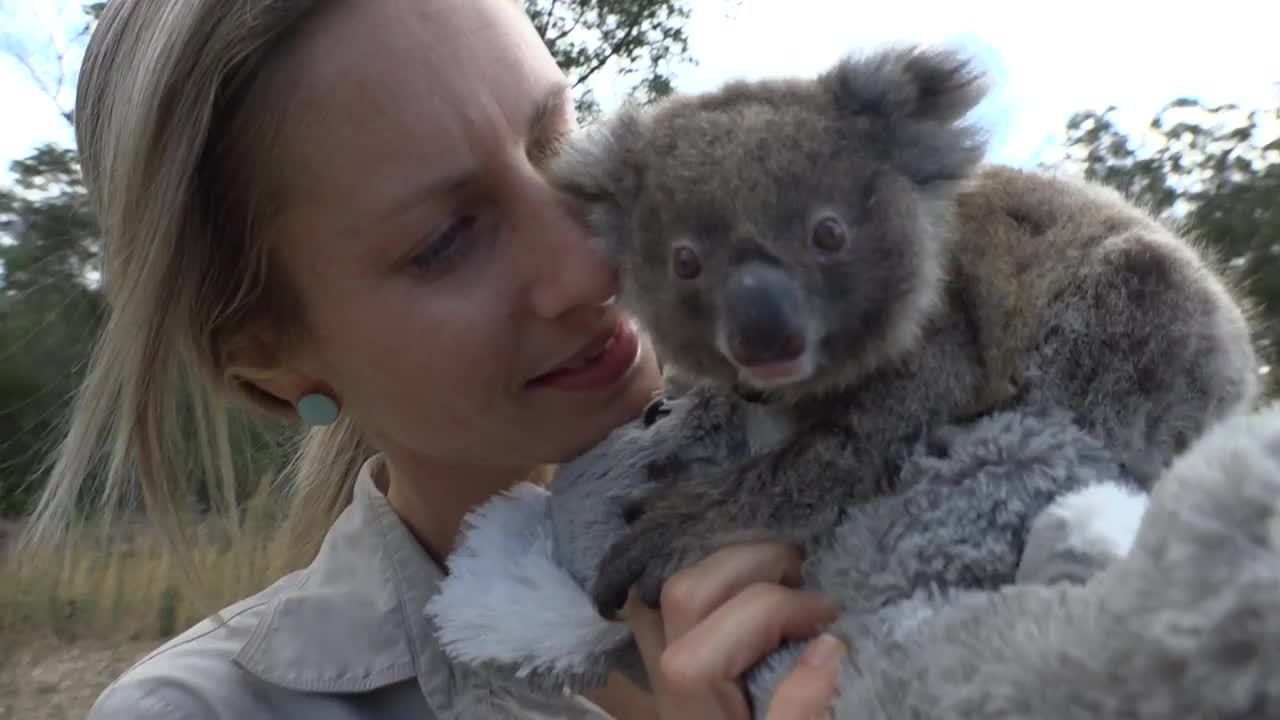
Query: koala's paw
669	530
661	541
680	463
664	470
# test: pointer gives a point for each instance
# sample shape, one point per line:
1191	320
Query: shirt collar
354	620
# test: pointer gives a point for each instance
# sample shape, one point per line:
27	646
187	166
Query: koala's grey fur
961	288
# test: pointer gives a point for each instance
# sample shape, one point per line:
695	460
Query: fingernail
822	651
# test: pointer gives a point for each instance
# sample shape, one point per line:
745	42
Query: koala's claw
667	469
653	549
633	509
637	563
613	583
657	409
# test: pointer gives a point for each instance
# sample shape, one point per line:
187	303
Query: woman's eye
448	246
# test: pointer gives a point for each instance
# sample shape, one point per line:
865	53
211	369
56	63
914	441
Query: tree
48	308
49	246
1214	170
637	38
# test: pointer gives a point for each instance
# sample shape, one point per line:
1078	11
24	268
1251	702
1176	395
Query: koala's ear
917	97
910	83
596	169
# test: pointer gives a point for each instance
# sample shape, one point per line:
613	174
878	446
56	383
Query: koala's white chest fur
767	427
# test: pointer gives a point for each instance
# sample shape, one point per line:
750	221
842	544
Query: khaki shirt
344	639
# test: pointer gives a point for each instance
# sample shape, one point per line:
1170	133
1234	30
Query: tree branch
576	22
50	91
637	19
546	24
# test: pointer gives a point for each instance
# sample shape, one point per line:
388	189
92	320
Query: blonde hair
177	112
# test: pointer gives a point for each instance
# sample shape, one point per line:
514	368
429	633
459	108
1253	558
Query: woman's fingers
806	692
746	628
718	619
691	594
675	698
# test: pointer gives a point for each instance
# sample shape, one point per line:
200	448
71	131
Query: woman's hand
719	618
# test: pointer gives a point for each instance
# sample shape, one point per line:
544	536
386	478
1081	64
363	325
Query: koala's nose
764	316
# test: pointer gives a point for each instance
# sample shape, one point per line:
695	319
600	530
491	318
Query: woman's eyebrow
548	108
545	112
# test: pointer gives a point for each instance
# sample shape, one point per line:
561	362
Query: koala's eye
685	262
829	235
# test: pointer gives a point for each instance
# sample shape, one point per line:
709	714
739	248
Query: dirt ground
59	682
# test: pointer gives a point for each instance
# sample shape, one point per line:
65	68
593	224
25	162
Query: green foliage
1215	170
49	310
53	232
638	39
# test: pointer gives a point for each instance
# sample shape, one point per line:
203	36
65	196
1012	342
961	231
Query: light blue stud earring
317	409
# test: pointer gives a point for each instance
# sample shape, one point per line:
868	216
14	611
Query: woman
334	211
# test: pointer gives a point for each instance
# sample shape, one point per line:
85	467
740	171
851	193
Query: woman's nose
567	271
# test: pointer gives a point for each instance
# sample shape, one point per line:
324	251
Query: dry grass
74	617
137	589
53	681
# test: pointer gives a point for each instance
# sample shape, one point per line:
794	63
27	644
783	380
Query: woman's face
449	296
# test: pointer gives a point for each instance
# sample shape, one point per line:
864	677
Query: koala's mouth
797	366
776	374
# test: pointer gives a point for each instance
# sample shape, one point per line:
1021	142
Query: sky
1049	59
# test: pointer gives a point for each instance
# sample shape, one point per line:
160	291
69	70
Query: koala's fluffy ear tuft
917	96
595	169
910	83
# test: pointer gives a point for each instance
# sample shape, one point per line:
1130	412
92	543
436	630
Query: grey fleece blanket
514	607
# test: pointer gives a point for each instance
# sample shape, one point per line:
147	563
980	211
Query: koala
831	261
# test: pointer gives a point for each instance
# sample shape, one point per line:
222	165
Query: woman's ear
260	363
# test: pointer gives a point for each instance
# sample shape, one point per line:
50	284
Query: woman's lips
603	364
